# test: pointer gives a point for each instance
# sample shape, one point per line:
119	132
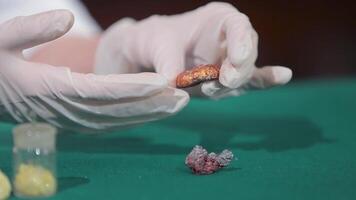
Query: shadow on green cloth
229	169
270	134
65	183
246	133
118	144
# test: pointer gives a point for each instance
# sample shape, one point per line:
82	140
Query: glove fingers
28	31
101	115
60	81
116	86
211	88
169	100
232	77
269	76
262	78
241	50
169	61
216	90
228	93
239	39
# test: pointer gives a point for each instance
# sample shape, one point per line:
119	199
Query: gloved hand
213	34
72	100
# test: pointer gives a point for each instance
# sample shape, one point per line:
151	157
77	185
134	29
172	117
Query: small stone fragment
196	75
202	163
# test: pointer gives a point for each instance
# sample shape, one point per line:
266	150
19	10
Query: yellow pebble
5	187
34	181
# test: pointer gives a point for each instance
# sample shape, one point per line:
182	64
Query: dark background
315	38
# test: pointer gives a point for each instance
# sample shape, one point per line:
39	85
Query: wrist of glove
216	33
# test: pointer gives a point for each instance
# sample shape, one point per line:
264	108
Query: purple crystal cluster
200	162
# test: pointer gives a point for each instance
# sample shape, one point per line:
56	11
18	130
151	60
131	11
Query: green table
292	142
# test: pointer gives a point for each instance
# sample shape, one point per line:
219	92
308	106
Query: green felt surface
292	142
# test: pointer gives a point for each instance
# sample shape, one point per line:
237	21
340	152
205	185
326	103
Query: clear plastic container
34	160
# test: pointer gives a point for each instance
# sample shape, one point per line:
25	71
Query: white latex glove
72	100
213	34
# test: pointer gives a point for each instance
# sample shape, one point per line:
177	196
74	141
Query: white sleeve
84	24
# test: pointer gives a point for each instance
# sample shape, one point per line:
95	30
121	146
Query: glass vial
34	160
